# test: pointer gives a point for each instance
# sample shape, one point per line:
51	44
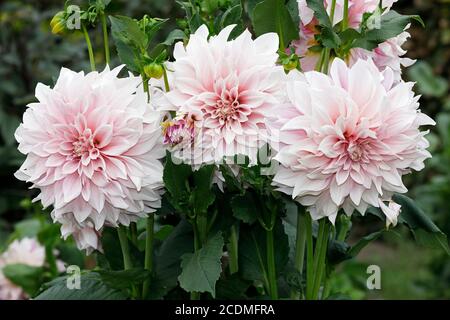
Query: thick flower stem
309	256
105	38
271	270
321	251
166	80
300	247
233	251
345	18
125	248
89	45
148	263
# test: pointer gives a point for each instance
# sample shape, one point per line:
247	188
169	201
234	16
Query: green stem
125	248
321	254
300	247
89	45
133	233
271	271
197	246
166	80
333	9
345	19
148	263
233	251
309	256
326	60
105	37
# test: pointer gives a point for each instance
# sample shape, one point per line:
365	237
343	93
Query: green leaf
424	230
232	288
173	36
252	251
231	16
328	37
131	42
391	25
202	269
92	287
273	16
244	208
175	177
203	196
362	243
167	266
320	12
122	279
428	83
27	277
127	30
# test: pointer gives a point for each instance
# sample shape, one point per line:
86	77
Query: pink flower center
355	151
226	108
86	145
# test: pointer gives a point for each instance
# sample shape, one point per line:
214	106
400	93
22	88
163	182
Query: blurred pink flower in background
226	87
26	251
93	145
346	143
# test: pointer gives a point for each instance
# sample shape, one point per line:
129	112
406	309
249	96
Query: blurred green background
30	53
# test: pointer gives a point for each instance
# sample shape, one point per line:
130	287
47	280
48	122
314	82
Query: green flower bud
154	70
58	23
290	65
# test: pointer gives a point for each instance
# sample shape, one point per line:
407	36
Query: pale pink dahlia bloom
25	251
225	88
93	145
346	143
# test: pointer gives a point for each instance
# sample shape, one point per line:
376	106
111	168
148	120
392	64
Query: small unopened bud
154	70
58	23
290	65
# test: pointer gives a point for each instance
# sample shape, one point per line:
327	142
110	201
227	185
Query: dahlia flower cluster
94	144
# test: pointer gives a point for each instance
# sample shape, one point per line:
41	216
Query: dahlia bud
154	70
290	63
58	23
178	130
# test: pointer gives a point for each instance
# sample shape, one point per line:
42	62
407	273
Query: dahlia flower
225	88
93	145
346	143
25	251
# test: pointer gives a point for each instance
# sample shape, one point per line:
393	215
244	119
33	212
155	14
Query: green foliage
273	16
92	287
391	25
427	82
202	269
253	251
25	276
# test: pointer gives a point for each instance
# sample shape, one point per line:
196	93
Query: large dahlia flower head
347	139
93	145
222	92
